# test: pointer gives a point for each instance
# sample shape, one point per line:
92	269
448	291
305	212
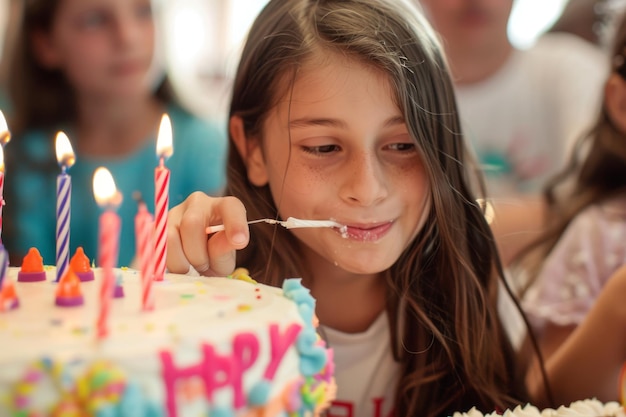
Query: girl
576	308
86	67
344	110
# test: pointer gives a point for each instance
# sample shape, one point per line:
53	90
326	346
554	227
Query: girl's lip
370	232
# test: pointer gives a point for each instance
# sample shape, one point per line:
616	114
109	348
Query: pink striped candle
108	199
65	157
144	236
161	196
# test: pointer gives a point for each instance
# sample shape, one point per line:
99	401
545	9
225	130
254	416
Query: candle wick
162	162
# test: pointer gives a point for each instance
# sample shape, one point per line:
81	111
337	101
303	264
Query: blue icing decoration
306	340
132	402
106	411
153	410
313	357
260	393
47	363
313	362
302	296
292	284
221	412
306	311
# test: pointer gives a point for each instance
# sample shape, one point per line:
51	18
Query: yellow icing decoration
242	274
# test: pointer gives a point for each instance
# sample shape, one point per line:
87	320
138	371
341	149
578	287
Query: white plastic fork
290	223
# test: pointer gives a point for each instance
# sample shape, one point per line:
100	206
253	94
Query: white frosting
582	408
290	223
188	311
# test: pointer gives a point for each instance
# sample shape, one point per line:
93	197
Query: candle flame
65	154
164	140
1	161
5	135
104	188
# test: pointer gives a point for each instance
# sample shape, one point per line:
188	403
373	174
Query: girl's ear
615	101
250	151
44	51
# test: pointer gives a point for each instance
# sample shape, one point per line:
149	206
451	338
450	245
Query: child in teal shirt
75	68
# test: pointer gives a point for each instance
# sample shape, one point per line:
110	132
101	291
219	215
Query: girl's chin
363	268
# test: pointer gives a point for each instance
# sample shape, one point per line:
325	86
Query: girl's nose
127	30
364	181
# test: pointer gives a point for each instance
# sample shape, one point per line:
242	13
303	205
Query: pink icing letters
218	371
280	344
246	351
215	371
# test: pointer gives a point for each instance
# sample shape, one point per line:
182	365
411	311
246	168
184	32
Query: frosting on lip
367	232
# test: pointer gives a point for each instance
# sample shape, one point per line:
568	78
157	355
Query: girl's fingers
188	243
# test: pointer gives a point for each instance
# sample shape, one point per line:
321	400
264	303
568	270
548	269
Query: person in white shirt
520	109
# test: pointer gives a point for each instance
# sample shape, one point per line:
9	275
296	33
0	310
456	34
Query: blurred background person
576	268
87	67
520	108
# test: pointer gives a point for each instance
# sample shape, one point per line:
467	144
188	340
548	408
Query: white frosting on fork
291	223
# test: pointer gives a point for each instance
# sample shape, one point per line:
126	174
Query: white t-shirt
365	371
522	121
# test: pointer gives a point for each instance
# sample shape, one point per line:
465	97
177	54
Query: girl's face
338	148
104	47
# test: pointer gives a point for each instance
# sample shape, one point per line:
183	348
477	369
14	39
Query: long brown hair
594	173
446	331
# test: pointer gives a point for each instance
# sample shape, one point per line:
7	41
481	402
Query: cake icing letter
245	353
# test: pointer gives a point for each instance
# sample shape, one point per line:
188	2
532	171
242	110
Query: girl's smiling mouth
366	232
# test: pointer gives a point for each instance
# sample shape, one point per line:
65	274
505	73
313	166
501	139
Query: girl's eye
144	10
321	150
402	147
92	19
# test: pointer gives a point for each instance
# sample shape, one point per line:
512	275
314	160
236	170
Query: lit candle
161	196
5	137
144	236
65	157
108	199
1	187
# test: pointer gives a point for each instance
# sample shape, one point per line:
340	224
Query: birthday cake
209	347
583	408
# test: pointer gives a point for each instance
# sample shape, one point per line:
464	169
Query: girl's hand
188	244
